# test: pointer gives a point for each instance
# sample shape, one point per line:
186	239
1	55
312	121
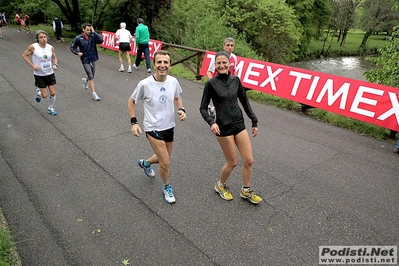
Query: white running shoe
168	194
135	67
51	111
85	83
129	70
38	95
148	70
95	97
121	69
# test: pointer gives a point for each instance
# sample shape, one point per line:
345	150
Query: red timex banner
365	101
109	43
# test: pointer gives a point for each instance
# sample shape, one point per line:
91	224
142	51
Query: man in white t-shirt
160	94
44	62
125	38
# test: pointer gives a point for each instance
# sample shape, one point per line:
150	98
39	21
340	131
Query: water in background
350	67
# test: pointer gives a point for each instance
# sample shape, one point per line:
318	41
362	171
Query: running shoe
148	70
135	67
95	97
223	191
38	95
148	171
51	111
251	196
85	83
121	69
168	194
129	70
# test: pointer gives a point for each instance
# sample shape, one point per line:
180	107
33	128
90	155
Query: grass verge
8	251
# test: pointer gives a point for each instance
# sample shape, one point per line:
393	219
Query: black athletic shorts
124	46
165	135
231	130
43	81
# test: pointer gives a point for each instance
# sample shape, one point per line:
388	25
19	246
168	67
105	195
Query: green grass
351	47
8	254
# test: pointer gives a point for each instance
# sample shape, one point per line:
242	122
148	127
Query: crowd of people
161	97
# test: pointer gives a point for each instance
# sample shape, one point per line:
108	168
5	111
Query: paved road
73	194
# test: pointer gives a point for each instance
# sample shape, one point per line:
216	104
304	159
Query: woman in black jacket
229	127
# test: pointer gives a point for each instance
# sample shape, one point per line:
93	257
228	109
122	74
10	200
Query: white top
158	101
123	35
42	57
233	62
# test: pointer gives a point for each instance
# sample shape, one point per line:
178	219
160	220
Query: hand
136	130
182	115
55	67
80	54
254	131
215	129
36	68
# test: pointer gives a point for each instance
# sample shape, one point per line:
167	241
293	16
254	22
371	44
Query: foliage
388	62
7	246
270	27
314	16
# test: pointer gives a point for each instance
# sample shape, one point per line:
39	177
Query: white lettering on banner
239	68
270	78
250	72
312	88
360	99
298	76
331	98
157	46
394	110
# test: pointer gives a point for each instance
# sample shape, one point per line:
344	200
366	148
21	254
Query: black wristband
133	120
182	109
56	65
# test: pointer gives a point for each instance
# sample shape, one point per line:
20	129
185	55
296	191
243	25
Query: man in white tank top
160	94
44	62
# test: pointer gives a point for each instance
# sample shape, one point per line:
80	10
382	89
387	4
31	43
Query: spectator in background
228	46
26	22
4	20
58	27
85	46
396	149
142	40
1	25
19	22
125	38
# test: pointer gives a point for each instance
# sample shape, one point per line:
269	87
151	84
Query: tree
314	16
377	16
387	72
271	27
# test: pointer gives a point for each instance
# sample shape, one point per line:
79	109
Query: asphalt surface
73	194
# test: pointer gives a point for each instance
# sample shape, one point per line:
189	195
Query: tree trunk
365	38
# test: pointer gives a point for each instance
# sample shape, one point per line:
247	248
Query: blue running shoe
148	171
51	111
168	194
38	95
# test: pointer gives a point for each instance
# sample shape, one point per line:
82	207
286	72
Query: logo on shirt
162	89
45	56
163	99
